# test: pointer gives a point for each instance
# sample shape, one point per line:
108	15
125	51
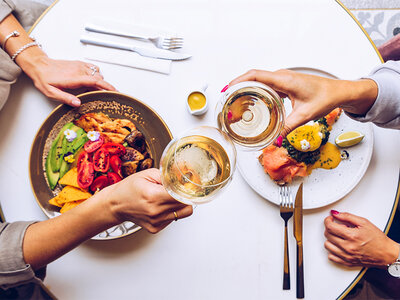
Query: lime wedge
349	138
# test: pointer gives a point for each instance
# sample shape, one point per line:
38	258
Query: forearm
28	57
357	97
48	240
391	49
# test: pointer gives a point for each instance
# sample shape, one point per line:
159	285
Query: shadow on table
121	246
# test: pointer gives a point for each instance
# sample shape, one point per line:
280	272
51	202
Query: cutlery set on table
153	49
287	210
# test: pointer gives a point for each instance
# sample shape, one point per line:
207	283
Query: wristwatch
394	268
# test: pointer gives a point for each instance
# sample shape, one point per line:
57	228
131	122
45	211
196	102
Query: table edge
390	220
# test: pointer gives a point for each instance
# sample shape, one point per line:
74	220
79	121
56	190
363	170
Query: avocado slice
52	177
57	156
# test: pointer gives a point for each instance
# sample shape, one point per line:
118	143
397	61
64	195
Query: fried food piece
136	140
69	205
129	168
70	194
70	178
146	164
132	155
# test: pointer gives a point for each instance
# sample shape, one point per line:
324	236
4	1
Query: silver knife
149	52
298	234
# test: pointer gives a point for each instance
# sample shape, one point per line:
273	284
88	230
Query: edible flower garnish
305	145
70	135
69	157
93	135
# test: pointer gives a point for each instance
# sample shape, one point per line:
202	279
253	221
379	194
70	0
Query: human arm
357	242
391	49
139	198
373	99
49	76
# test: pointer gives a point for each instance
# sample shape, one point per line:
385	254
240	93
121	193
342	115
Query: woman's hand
313	96
52	76
142	199
355	241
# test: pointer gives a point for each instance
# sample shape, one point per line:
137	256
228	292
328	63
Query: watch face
394	269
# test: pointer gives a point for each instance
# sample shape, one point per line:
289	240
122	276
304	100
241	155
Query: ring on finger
94	70
176	216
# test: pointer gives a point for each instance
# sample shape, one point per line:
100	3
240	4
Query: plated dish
322	187
114	105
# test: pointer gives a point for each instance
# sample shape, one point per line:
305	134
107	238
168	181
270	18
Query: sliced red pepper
113	178
116	165
99	183
114	148
101	160
85	175
93	146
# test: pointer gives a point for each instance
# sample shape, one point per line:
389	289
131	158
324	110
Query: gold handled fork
286	210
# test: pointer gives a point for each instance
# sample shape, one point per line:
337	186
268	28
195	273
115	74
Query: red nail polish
279	141
334	212
225	88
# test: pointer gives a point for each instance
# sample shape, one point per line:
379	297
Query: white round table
231	248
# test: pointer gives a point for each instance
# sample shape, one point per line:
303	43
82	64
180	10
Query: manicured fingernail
279	141
334	212
225	88
76	102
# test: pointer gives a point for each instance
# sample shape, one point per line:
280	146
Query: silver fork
286	210
163	42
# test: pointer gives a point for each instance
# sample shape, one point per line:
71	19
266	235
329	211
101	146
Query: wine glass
251	113
197	164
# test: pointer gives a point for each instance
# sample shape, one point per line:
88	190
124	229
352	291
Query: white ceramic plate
322	187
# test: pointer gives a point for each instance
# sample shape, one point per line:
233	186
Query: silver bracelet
10	35
24	47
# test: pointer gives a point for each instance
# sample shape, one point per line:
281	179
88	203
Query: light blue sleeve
386	110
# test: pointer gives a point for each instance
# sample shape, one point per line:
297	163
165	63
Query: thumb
347	217
293	121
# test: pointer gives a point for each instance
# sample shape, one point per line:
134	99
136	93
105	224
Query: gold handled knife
298	234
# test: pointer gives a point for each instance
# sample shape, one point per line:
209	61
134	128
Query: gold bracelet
24	47
10	35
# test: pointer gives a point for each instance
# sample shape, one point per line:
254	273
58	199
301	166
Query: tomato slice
83	157
93	146
101	160
99	183
113	178
114	148
86	174
116	165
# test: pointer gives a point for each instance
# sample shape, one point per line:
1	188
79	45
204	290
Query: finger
337	229
336	240
61	96
349	218
338	260
294	120
174	214
278	80
337	251
155	228
88	81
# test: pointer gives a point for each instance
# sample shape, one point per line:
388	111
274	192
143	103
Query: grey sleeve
13	269
6	7
386	110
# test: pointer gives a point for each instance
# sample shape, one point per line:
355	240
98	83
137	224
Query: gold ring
176	216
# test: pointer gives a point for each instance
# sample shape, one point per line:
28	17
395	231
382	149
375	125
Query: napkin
126	58
123	57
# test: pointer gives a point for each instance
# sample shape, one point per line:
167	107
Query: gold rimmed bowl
113	104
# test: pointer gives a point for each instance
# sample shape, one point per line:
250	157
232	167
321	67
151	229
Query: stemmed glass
251	113
198	164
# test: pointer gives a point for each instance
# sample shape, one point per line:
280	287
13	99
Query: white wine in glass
251	113
198	164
